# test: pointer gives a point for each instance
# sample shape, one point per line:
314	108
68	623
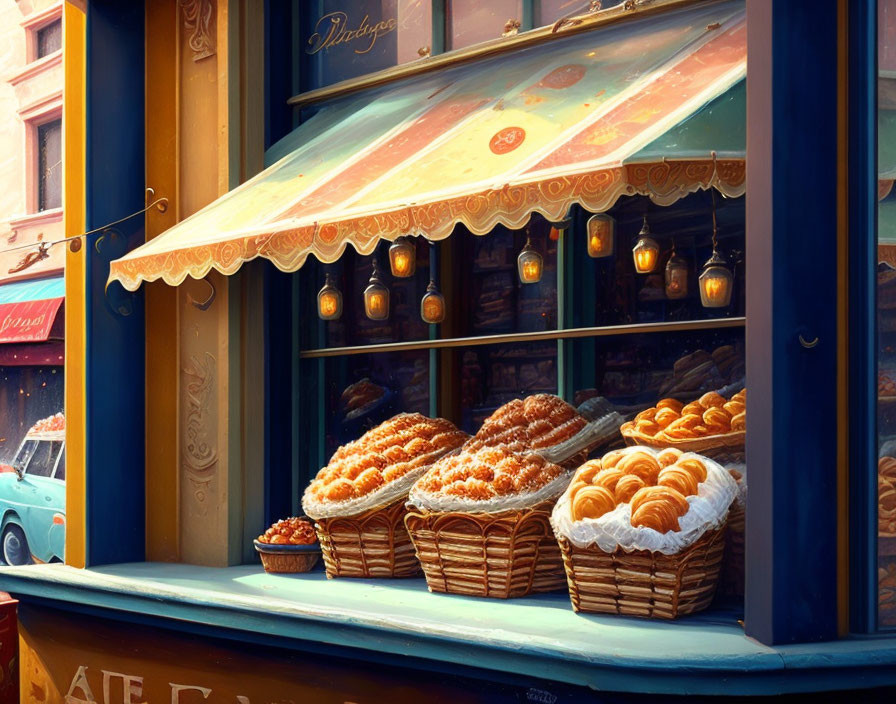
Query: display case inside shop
541	328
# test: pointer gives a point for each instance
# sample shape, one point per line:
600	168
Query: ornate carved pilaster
198	20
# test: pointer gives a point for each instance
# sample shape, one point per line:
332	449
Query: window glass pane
49	165
49	39
363	390
43	459
609	290
351	275
492	375
60	468
886	313
473	21
342	40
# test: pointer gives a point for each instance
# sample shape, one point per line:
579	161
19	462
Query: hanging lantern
676	276
329	301
716	279
529	264
432	305
376	297
716	282
646	251
601	235
403	257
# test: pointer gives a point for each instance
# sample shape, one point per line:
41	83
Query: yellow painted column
74	124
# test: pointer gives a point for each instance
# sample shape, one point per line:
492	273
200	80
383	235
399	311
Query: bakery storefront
449	399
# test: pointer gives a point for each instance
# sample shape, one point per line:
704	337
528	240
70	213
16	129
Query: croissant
658	507
739	422
695	467
591	502
684	427
611	458
647	427
641	464
679	479
664	493
658	514
670	403
692	409
664	416
608	478
588	471
627	486
734	407
647	414
717	420
712	399
886	467
668	456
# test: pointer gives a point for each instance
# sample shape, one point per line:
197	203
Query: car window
60	468
25	453
43	459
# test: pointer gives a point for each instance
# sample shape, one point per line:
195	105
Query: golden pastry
695	467
627	486
712	399
384	454
683	427
608	478
641	464
716	420
679	479
542	420
489	472
611	458
664	416
739	422
658	507
587	471
670	403
668	456
591	502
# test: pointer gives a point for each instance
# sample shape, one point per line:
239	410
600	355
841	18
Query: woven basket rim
706	536
288	549
422	512
734	439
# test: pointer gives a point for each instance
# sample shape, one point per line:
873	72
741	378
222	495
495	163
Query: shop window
472	22
48	39
49	165
591	327
886	314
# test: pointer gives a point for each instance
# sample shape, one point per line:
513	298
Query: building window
49	165
49	39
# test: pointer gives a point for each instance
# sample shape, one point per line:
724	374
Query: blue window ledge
538	636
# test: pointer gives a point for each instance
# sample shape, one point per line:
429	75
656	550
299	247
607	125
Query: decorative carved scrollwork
198	16
200	453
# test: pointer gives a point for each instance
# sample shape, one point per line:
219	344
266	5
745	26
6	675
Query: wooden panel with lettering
79	659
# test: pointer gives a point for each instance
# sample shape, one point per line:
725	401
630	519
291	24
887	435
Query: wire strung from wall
42	247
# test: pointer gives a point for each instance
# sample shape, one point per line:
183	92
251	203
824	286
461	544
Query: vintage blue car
32	497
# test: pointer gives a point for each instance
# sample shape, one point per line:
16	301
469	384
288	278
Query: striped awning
582	119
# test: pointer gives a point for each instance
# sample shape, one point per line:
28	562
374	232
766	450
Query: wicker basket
732	579
282	559
506	554
643	583
370	544
727	448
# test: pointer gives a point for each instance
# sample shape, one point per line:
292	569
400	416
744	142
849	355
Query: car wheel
15	546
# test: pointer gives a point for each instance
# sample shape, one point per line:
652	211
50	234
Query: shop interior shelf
388	619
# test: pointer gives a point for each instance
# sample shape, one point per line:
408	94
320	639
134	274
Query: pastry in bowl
357	500
290	545
480	523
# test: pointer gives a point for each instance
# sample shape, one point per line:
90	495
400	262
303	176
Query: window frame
37	21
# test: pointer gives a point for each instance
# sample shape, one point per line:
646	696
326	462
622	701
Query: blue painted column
792	239
115	323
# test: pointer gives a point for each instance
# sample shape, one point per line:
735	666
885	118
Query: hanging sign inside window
335	29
